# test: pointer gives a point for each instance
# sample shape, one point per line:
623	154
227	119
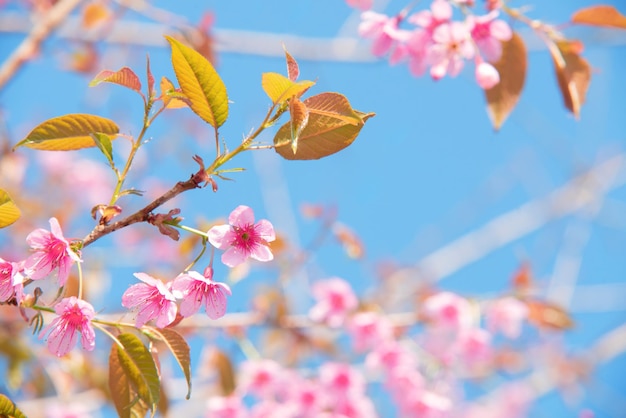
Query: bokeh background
428	185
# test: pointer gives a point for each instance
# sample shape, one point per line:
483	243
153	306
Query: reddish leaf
124	77
150	78
293	71
522	279
299	118
573	74
601	15
350	241
503	97
548	315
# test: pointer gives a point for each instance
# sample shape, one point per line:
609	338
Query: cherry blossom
382	29
196	290
440	12
452	45
340	380
262	378
226	407
447	310
11	281
390	356
152	300
489	33
335	299
74	315
52	251
242	238
360	4
369	330
486	75
506	315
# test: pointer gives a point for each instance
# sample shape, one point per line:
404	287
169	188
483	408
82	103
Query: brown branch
143	214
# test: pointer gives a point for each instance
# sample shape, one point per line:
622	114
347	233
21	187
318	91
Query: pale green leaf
9	212
200	83
68	132
139	368
103	142
8	408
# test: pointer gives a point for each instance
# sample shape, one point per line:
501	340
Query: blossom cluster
152	299
420	372
436	42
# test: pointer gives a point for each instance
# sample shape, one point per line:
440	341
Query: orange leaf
523	278
94	13
503	97
573	74
293	70
548	315
124	77
350	241
601	15
299	118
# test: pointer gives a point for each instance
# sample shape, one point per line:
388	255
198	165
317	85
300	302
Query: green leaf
124	77
201	84
179	348
119	385
9	212
103	142
332	126
139	368
8	408
68	132
280	89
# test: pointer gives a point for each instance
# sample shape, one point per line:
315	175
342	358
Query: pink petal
220	236
262	253
266	230
381	45
55	228
441	9
38	238
216	303
88	337
233	257
61	340
241	216
167	315
501	30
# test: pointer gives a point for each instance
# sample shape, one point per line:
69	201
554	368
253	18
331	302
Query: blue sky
428	169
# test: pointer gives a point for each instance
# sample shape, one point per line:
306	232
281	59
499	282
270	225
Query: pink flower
196	290
506	315
448	310
262	378
426	404
52	251
486	75
369	330
341	380
382	29
242	238
489	33
390	356
152	299
440	12
11	281
473	347
226	407
335	300
360	4
451	47
74	315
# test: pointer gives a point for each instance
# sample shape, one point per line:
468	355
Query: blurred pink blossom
426	404
242	238
448	310
507	316
196	290
340	381
489	33
11	281
52	251
473	347
262	378
440	12
360	4
369	330
335	299
486	75
152	300
226	407
389	356
74	315
382	29
451	47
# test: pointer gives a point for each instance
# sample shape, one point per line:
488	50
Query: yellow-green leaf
124	77
9	212
200	83
139	368
8	408
332	126
172	97
68	132
503	97
280	89
179	348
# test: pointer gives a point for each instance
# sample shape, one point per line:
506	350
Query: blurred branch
36	35
580	193
339	48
